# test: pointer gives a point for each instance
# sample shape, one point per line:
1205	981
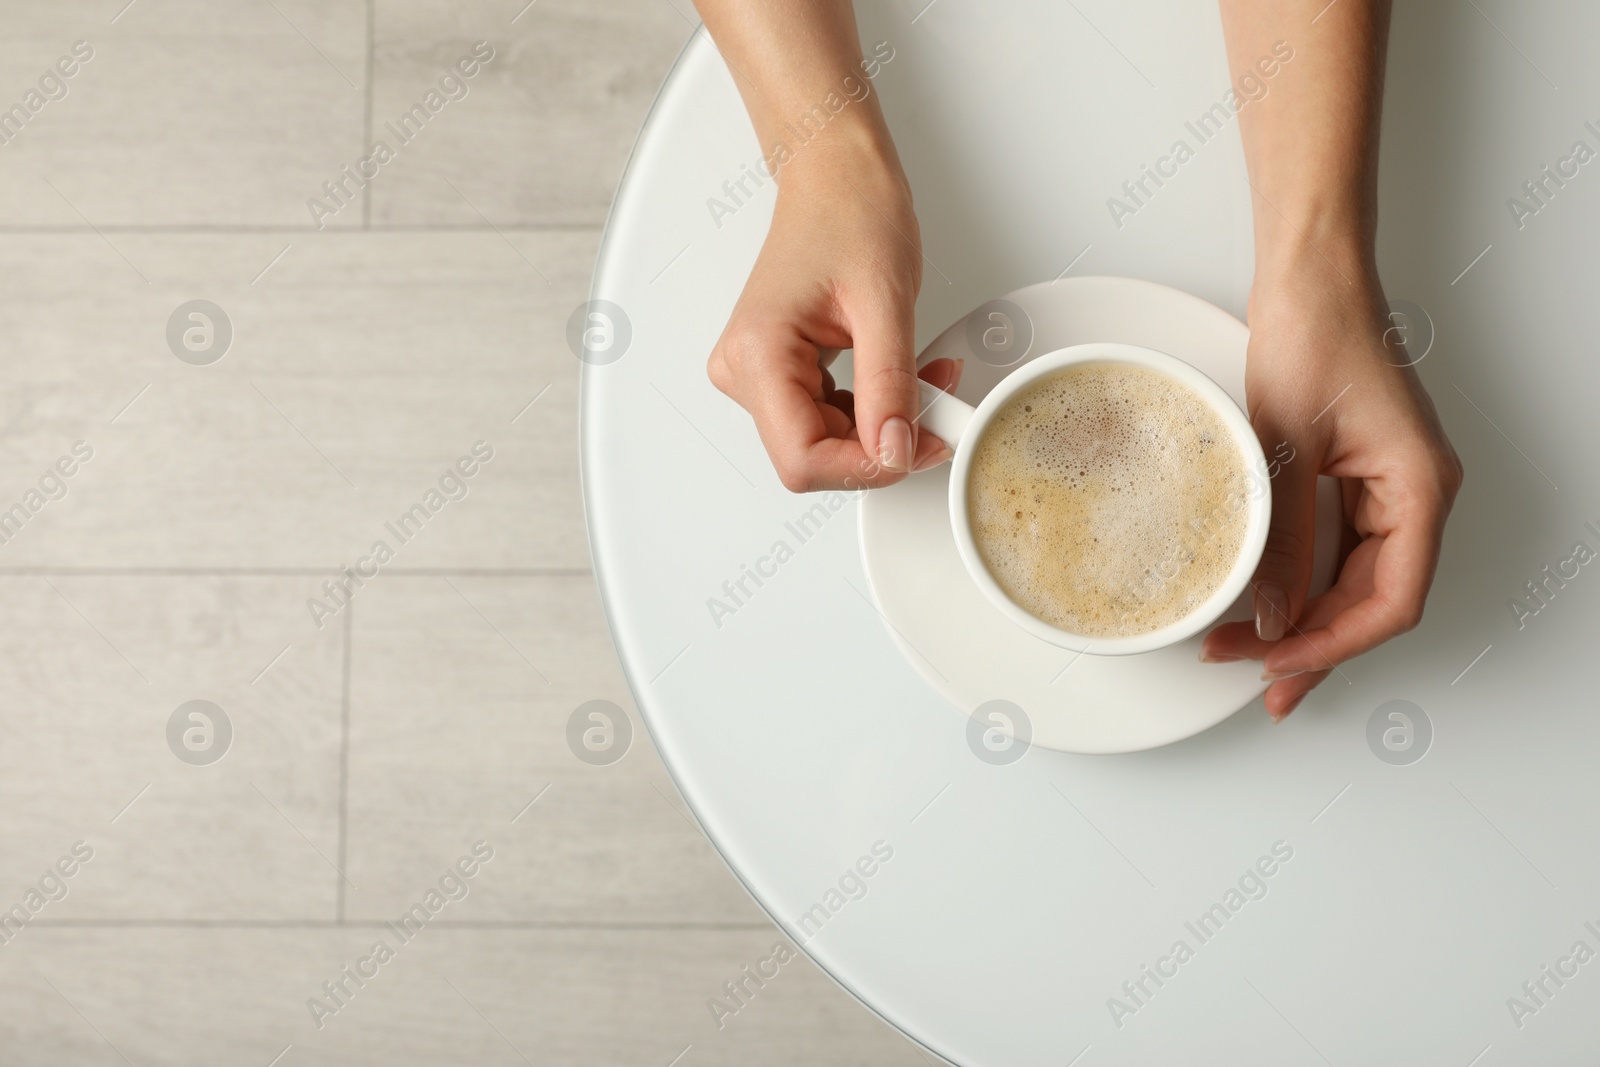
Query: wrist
854	146
1293	239
1315	259
1304	305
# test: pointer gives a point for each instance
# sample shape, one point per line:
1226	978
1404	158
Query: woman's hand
1321	377
842	262
840	269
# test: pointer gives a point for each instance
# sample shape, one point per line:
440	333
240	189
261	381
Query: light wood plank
92	678
545	127
460	701
362	367
188	113
556	998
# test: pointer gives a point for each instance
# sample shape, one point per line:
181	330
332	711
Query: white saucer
962	644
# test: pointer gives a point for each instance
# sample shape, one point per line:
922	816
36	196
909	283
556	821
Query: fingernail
1217	657
1278	676
934	460
1272	611
894	444
1284	714
955	376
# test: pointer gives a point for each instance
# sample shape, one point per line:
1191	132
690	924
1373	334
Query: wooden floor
382	342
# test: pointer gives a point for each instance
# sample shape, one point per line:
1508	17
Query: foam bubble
1108	500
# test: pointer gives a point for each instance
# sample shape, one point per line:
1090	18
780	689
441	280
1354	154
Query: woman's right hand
840	268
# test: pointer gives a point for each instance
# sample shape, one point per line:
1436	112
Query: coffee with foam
1108	500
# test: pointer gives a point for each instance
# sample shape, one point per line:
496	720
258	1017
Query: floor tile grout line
344	762
366	113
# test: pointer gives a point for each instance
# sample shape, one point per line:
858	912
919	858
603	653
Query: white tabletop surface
1419	898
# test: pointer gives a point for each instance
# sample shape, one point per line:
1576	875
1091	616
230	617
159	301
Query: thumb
1284	574
885	383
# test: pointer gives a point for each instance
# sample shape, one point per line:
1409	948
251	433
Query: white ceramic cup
960	426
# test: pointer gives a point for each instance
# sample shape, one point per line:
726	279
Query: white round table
1338	900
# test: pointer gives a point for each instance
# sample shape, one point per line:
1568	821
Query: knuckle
1437	488
893	279
717	371
740	345
1454	474
895	373
1287	548
889	379
1408	616
793	473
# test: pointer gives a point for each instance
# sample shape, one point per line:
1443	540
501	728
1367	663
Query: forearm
800	70
1311	144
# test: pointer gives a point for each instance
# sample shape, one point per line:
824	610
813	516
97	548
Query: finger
943	374
1309	647
810	441
842	400
835	406
839	412
836	416
1380	591
930	453
1284	573
813	445
1237	640
885	380
1233	641
1284	696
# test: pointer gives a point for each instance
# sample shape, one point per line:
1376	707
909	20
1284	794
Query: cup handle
943	415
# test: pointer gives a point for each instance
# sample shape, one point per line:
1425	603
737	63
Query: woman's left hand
1327	384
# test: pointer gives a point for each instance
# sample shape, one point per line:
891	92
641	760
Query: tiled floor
375	744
